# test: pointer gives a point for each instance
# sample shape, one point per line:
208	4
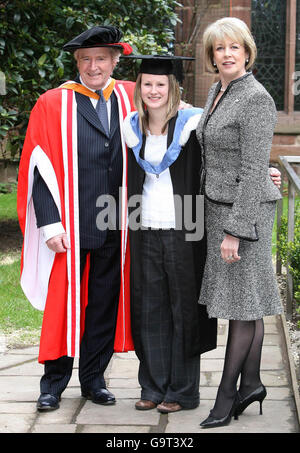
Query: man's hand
183	105
275	176
59	243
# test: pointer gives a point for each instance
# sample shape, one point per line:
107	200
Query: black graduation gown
200	332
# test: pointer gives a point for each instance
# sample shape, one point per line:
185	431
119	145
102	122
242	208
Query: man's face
95	66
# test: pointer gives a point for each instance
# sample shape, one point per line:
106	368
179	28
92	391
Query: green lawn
15	311
8	203
19	321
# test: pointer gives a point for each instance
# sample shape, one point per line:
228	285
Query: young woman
235	133
170	329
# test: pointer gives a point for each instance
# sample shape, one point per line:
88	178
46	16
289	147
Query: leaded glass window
297	65
268	23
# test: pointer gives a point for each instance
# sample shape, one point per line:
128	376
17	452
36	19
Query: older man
72	268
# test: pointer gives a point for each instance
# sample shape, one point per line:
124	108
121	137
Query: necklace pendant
157	176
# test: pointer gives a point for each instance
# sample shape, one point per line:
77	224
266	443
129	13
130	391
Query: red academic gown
50	281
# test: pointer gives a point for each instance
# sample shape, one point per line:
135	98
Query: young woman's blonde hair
172	106
233	28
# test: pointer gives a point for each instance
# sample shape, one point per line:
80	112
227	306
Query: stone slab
15	388
17	408
121	368
273	393
123	413
15	423
67	408
123	383
30	350
276	418
113	429
54	429
32	368
13	360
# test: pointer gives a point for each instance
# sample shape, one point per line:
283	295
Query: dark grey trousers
165	373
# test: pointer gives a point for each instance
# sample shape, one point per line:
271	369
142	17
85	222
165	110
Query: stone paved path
19	389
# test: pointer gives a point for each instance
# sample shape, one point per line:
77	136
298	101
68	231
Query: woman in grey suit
235	133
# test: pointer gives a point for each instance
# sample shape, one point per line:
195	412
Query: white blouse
158	210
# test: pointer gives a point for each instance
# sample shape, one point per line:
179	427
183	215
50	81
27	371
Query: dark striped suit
99	173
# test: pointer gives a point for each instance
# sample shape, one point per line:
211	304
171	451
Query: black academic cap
162	64
99	36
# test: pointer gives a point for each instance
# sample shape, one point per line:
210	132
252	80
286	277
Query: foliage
289	252
32	33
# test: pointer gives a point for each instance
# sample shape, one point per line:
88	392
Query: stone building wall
195	15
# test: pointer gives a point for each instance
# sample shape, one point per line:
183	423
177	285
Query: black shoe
99	396
212	422
47	402
257	395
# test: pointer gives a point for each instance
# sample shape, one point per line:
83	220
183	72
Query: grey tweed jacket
236	141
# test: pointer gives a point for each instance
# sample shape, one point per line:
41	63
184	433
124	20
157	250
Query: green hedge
289	252
32	34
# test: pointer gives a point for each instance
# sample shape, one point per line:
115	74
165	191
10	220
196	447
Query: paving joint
17	364
162	424
77	412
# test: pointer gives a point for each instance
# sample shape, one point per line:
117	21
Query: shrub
32	34
289	252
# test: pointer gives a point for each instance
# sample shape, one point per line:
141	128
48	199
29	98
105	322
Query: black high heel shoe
257	395
212	422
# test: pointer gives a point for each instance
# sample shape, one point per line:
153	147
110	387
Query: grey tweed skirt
247	289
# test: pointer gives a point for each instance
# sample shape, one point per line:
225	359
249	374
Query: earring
215	66
247	61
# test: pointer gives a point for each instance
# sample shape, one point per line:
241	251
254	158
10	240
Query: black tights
243	355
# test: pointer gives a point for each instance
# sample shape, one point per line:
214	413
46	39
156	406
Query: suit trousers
97	343
165	373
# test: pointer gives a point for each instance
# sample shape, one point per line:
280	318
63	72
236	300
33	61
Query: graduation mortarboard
162	64
99	36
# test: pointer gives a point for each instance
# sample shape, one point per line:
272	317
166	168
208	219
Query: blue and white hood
186	121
